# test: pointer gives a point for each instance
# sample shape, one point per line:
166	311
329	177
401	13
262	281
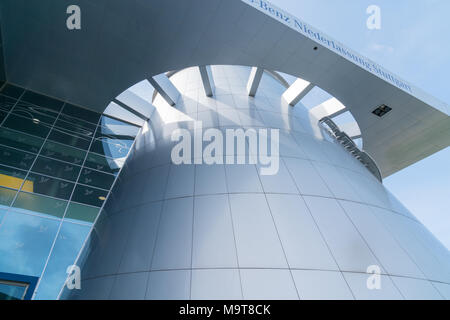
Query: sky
413	43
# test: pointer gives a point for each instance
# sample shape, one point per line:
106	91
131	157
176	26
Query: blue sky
413	43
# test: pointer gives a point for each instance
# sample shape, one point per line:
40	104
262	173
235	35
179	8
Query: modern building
88	178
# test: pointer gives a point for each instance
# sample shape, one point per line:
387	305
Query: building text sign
326	41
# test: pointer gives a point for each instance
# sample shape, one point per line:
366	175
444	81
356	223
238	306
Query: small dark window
381	110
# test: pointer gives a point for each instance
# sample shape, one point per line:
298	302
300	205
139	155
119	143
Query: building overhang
122	42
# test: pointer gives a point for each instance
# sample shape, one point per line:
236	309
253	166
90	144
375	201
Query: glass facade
58	163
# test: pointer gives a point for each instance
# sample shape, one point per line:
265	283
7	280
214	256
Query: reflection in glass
6	103
81	113
56	168
69	139
25	242
15	158
96	178
43	101
102	163
6	197
20	140
27	125
48	186
109	126
74	129
88	195
2	116
33	203
112	148
12	290
37	114
63	152
68	243
11	177
80	212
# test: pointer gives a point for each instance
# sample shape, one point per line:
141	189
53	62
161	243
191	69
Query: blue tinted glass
102	163
11	291
2	215
111	126
25	243
111	148
65	251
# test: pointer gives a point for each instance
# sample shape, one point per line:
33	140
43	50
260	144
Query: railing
351	147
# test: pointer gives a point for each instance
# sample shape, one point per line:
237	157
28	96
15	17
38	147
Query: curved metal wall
226	232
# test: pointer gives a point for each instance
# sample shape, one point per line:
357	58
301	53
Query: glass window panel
99	162
16	158
81	212
6	197
88	195
48	186
12	91
26	125
71	140
2	116
11	177
42	100
96	178
111	126
20	140
74	129
81	113
25	243
115	149
63	152
6	103
40	204
80	123
36	113
12	290
56	168
68	243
